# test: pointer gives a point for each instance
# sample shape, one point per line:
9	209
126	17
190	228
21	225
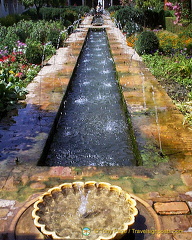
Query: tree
57	3
37	3
127	2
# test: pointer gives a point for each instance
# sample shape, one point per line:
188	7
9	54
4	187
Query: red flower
23	66
12	58
3	58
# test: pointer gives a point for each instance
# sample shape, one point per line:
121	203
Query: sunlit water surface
93	129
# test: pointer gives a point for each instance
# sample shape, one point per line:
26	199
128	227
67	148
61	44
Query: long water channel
93	129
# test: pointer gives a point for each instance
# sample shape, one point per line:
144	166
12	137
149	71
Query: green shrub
151	18
54	35
175	28
83	9
132	27
66	23
40	31
9	40
49	51
187	32
114	8
3	33
48	13
9	20
30	14
71	15
168	13
176	67
147	43
170	43
23	29
161	18
126	14
64	14
34	51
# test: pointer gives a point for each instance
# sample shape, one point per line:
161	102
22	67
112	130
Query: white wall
10	7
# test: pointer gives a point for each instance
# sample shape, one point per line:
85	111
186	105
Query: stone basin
89	210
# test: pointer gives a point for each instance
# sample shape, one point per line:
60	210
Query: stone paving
165	189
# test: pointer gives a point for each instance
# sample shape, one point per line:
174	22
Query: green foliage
151	18
186	109
40	31
8	96
15	73
66	15
57	3
132	27
161	19
9	20
146	17
34	52
126	14
171	43
48	50
3	32
23	29
168	13
147	43
80	10
23	47
175	70
8	39
37	3
149	4
56	34
30	14
175	28
48	13
114	8
176	67
186	32
71	15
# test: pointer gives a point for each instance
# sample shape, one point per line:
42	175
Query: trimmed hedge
147	43
175	28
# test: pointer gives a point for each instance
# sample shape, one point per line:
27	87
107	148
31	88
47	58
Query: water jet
145	220
93	129
65	211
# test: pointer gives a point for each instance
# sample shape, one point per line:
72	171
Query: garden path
157	124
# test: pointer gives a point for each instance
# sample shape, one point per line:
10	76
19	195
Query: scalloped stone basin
87	210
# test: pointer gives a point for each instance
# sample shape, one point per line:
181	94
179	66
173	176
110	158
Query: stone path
165	189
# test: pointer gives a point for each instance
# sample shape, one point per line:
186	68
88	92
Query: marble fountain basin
84	210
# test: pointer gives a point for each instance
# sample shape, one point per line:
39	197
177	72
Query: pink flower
19	74
169	5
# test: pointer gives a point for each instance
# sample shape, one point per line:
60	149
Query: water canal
93	129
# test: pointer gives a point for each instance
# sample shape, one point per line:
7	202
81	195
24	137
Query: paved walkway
165	189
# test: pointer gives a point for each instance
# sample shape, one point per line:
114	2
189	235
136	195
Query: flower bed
15	74
23	48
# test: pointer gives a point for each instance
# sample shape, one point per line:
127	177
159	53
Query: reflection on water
93	128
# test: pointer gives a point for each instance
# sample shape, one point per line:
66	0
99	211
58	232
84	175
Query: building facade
93	3
10	7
